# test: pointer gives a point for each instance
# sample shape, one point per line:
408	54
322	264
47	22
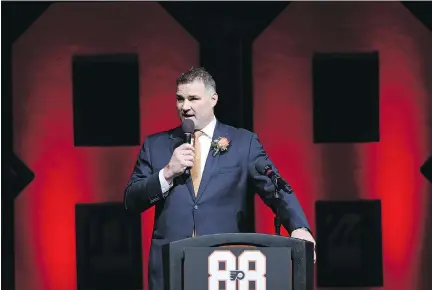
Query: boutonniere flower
220	144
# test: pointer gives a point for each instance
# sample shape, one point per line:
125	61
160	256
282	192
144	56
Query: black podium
243	261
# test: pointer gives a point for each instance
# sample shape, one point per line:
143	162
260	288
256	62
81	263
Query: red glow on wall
388	170
43	124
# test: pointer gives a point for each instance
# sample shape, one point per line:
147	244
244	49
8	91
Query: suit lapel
176	140
212	161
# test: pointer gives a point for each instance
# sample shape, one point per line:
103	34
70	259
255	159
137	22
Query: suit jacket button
195	207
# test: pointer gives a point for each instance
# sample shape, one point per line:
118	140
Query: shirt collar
209	129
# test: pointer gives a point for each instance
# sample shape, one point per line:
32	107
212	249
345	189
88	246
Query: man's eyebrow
190	96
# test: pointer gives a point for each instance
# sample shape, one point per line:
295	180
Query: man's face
196	103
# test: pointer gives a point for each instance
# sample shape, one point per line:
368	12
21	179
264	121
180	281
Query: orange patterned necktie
196	169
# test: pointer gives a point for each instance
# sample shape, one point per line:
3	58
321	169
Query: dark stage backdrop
282	90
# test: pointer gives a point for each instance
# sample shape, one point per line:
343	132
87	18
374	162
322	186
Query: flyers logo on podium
247	271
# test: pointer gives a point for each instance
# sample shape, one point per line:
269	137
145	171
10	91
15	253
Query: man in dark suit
222	162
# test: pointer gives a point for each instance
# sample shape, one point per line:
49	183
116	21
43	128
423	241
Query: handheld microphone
264	167
188	127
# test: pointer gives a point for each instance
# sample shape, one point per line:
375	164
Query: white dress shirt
205	143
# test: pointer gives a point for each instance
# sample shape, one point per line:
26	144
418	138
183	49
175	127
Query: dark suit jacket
221	196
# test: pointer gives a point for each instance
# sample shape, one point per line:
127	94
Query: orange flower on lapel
220	144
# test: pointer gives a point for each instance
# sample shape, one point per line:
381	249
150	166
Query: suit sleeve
145	187
290	210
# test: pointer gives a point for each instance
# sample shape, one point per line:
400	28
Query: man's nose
186	106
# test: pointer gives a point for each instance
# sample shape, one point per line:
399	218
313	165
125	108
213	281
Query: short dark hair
198	73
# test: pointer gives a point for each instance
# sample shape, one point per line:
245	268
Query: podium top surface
248	239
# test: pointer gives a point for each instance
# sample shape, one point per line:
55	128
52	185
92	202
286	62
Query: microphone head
262	166
188	126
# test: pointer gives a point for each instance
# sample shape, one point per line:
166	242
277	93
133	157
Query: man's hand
303	234
182	158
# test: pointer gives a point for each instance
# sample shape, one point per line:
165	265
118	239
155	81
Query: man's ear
214	98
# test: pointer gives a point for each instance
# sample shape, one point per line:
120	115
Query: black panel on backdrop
106	100
233	81
345	97
421	10
349	243
18	176
235	20
426	169
108	247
